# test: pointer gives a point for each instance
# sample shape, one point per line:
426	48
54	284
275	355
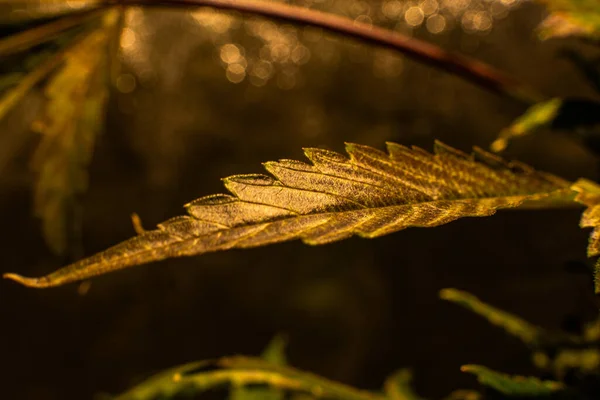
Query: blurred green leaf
397	386
577	117
536	117
571	18
463	394
72	118
528	333
275	354
514	385
237	372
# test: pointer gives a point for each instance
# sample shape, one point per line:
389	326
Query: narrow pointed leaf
274	354
514	385
536	117
370	194
528	333
241	371
397	386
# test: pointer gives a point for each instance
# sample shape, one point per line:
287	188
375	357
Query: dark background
353	311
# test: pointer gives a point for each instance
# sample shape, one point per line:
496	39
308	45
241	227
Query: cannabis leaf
580	117
512	385
70	122
536	117
397	386
238	372
589	195
528	333
369	194
571	18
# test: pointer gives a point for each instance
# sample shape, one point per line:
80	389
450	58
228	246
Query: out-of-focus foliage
557	353
581	116
512	324
68	127
537	116
240	374
514	385
397	386
576	117
74	52
274	354
370	194
571	17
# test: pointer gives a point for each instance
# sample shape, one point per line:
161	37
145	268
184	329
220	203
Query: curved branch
472	70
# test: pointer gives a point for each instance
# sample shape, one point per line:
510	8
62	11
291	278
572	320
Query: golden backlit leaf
370	194
588	194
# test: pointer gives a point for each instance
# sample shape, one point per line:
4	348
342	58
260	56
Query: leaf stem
470	69
44	33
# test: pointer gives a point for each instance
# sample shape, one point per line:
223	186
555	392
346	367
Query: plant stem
44	33
470	69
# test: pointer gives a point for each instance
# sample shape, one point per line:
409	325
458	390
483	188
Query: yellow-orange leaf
370	194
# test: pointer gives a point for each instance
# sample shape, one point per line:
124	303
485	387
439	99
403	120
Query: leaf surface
241	371
527	332
370	194
71	120
589	195
571	18
397	386
514	385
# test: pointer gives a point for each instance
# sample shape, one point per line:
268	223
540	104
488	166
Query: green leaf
72	118
536	117
571	18
528	333
274	354
514	385
370	194
463	394
578	117
397	386
241	371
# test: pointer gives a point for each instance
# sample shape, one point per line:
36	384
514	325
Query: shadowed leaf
274	354
370	194
397	386
514	385
536	117
528	333
68	127
241	371
463	394
578	117
571	18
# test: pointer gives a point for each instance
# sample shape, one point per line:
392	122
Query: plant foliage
369	194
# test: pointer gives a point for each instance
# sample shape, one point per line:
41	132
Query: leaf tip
449	294
29	282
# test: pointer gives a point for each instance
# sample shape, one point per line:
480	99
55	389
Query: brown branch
472	70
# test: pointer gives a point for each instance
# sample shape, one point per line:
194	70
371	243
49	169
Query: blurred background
202	94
